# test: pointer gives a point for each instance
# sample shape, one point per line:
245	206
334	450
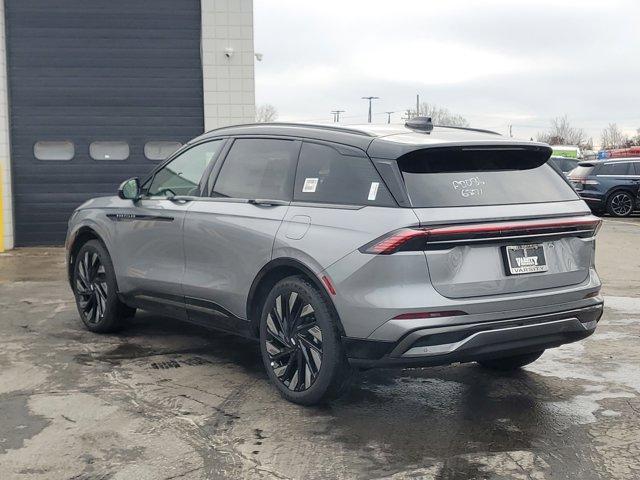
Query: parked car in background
341	247
608	185
564	164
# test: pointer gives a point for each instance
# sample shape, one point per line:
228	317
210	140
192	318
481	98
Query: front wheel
620	204
95	290
511	363
300	343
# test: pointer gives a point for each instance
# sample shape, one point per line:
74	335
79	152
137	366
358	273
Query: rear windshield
582	171
468	177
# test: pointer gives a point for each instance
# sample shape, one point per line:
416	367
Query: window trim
215	172
186	147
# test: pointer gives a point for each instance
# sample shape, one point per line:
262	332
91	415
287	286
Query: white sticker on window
310	185
373	191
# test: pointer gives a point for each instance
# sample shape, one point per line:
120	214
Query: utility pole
389	116
510	130
336	115
417	105
370	98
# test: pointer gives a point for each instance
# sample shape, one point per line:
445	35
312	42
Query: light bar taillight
584	181
412	239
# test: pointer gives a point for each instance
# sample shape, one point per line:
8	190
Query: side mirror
130	189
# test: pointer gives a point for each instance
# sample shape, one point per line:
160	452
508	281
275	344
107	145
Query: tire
299	333
95	290
620	204
506	364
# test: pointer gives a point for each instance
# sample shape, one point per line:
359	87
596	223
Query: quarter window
109	150
54	150
182	175
160	150
325	175
258	168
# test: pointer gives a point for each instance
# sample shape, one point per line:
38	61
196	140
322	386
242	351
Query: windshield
458	178
581	171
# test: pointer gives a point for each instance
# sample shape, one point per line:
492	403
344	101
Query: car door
617	176
149	239
229	236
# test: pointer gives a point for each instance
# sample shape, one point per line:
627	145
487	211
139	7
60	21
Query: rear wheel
300	343
95	290
511	363
620	204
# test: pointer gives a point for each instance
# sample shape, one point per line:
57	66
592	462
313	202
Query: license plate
525	259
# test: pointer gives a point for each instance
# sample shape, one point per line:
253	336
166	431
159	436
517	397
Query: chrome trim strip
569	324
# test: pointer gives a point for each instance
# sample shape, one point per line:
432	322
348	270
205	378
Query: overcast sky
495	62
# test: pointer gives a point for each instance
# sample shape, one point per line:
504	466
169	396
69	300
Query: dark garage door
117	72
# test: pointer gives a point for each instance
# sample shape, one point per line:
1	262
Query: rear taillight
416	239
394	241
584	181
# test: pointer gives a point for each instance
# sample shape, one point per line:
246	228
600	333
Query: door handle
180	199
262	202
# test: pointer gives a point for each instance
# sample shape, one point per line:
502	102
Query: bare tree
266	113
562	133
635	140
440	115
613	137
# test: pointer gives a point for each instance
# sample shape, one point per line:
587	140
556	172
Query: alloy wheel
621	204
91	287
294	342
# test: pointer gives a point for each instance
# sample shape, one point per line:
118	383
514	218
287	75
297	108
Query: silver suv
343	247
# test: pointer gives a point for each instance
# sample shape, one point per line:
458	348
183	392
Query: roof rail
471	129
354	131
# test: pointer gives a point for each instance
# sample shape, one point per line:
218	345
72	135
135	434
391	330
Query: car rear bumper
469	342
594	199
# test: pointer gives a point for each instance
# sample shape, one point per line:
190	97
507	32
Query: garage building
92	93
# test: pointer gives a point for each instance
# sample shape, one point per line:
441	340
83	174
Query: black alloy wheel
91	287
294	342
301	342
95	288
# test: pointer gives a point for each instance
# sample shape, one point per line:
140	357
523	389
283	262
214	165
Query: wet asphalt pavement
165	400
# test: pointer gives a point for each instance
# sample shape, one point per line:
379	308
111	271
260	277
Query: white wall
6	215
229	87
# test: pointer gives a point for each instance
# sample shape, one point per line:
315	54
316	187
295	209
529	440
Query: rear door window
257	168
469	177
618	168
325	175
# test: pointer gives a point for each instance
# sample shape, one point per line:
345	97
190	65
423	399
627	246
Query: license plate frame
533	259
